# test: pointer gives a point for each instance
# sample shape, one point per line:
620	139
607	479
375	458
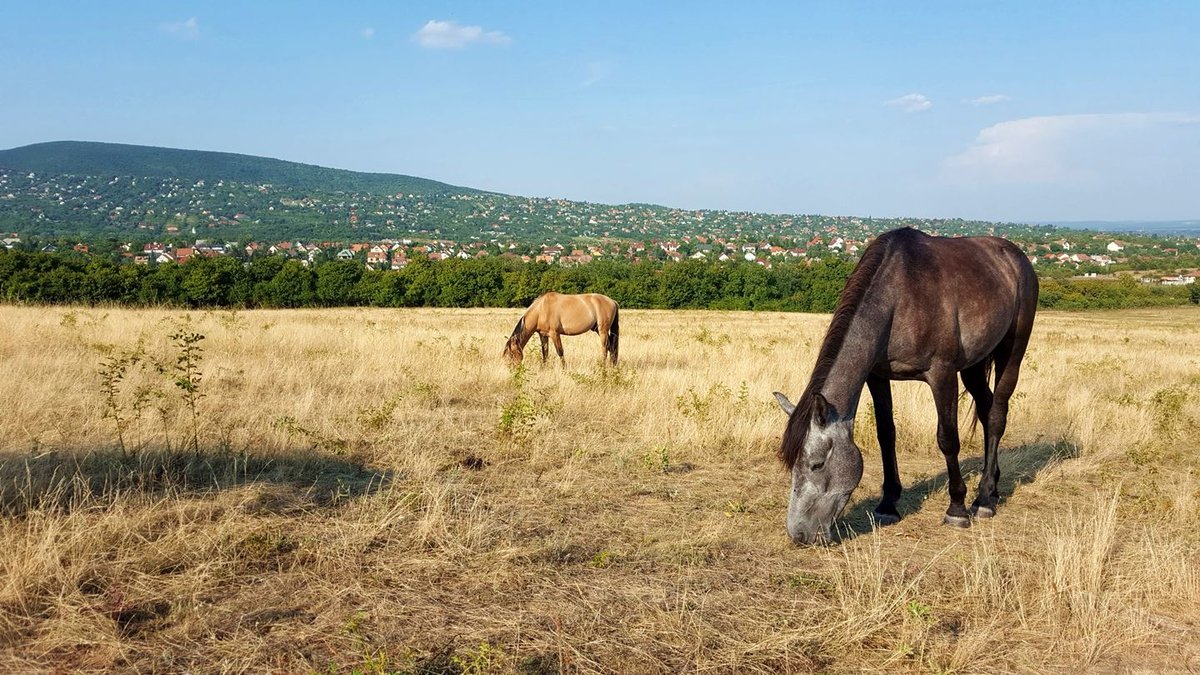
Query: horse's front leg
945	397
558	346
545	346
885	430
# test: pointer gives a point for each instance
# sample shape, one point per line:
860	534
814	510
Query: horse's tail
987	375
614	334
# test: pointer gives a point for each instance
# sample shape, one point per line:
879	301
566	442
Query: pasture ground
361	491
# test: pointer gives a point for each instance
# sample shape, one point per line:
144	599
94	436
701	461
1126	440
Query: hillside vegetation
373	491
83	158
93	190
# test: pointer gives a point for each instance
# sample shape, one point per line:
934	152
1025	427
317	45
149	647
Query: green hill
83	158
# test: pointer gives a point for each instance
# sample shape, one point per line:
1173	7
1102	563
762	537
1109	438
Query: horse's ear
788	406
822	411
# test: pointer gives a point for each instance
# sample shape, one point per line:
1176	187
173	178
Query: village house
576	258
377	255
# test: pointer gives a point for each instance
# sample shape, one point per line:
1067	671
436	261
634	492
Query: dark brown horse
553	315
915	307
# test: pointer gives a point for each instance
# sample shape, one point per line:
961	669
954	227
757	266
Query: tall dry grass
375	491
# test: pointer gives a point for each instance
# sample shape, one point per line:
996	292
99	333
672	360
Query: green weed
122	408
707	337
482	659
520	415
657	459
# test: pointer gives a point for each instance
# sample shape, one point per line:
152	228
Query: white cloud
368	32
1064	149
450	35
597	71
990	99
911	103
185	30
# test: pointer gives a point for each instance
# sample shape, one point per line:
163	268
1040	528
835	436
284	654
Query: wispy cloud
597	71
184	30
990	99
451	35
367	33
911	103
1061	148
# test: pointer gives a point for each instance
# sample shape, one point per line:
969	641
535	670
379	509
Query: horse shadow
65	480
1018	466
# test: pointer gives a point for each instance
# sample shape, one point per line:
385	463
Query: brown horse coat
553	315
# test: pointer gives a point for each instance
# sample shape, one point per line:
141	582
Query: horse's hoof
957	521
885	519
984	511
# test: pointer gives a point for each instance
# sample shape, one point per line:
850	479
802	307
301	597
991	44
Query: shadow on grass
66	480
1018	466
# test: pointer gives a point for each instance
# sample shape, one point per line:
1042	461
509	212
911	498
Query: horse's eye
818	466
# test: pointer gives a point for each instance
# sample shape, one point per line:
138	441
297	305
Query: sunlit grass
375	491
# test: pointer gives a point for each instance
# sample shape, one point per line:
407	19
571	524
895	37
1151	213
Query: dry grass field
362	491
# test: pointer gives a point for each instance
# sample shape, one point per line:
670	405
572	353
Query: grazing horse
915	307
553	315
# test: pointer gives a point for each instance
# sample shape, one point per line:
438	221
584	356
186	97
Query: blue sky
1004	111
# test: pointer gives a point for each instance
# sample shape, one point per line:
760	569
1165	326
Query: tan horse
553	315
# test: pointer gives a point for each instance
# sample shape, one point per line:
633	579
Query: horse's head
826	466
513	353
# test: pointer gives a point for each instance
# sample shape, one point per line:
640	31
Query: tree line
275	281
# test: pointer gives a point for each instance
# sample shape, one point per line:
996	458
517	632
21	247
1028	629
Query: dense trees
274	281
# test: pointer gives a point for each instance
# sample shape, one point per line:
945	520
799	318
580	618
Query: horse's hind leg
1008	369
975	380
885	430
602	331
945	397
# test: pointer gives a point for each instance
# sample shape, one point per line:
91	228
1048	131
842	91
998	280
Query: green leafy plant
520	414
707	337
698	406
376	418
920	611
482	659
606	378
1167	406
185	374
317	439
657	459
118	407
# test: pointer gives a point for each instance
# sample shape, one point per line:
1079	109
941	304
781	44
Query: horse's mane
848	304
519	328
